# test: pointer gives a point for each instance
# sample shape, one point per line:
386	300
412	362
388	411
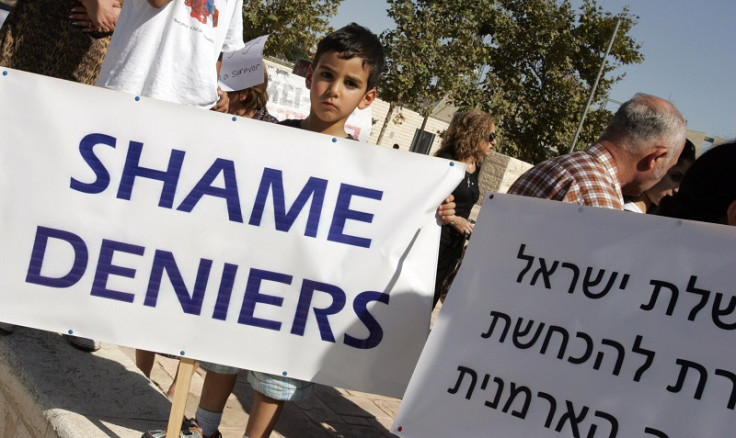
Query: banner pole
181	393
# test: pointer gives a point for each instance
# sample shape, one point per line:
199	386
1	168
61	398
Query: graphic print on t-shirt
201	9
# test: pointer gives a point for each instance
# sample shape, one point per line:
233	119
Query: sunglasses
492	136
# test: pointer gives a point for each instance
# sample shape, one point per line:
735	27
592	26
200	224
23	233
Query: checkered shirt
584	177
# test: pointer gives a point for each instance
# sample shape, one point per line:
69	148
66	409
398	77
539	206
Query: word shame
270	189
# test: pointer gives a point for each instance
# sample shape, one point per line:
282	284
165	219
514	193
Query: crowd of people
141	47
164	49
643	157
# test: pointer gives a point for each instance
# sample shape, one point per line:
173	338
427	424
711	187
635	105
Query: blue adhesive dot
452	163
5	73
580	209
334	140
182	353
284	373
70	331
137	98
234	118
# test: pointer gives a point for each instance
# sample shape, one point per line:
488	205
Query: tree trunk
391	107
424	122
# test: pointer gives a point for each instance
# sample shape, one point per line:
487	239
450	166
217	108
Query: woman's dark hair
707	189
351	41
688	152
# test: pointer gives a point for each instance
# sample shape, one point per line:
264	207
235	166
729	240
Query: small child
342	77
251	102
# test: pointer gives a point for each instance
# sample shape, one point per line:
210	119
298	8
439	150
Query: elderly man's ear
651	160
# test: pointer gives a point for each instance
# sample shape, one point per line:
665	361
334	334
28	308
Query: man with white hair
640	144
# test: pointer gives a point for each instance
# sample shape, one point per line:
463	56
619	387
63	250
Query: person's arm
223	101
158	3
96	15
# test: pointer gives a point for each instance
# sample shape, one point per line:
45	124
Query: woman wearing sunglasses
470	137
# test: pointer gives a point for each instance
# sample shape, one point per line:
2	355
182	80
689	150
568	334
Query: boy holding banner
342	77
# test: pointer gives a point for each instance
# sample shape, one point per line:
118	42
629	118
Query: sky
688	47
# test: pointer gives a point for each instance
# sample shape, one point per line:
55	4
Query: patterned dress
38	37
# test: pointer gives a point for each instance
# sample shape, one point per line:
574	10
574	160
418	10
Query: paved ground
46	383
330	412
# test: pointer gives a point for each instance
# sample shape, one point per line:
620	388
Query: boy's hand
96	15
222	104
446	211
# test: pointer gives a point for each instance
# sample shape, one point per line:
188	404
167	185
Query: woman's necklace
470	168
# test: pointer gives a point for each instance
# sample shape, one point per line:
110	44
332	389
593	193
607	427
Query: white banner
184	231
569	321
288	98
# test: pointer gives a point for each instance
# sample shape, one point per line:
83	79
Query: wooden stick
181	393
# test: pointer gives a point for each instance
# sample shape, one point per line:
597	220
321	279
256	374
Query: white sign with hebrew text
570	321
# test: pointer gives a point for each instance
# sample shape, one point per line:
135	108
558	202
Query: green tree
543	58
295	26
434	49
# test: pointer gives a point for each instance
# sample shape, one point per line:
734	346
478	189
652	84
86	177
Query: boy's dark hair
351	41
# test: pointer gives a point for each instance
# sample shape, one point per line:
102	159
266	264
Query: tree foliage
433	50
532	63
544	56
295	26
